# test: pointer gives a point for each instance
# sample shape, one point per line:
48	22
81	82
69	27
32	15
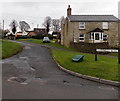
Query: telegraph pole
119	34
119	42
3	29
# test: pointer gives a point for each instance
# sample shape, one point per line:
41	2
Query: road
33	74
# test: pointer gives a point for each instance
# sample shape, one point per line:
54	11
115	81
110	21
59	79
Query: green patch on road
8	49
106	67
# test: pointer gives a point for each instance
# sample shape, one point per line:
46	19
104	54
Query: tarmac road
33	74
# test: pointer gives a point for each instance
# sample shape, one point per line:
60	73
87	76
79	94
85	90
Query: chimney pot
69	10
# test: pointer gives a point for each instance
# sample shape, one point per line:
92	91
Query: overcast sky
34	11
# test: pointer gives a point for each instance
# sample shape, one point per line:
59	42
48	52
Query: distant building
40	31
31	34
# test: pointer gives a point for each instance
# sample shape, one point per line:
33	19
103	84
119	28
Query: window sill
82	29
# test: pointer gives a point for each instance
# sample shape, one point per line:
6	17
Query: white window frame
81	25
105	25
106	37
82	37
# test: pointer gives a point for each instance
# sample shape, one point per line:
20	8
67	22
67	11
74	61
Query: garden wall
89	47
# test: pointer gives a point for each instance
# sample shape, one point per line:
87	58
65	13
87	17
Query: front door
97	36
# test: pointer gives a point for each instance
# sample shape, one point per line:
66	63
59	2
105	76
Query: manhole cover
17	79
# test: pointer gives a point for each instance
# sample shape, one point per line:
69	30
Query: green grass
52	43
8	49
105	67
113	54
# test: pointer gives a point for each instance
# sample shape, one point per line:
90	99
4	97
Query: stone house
89	30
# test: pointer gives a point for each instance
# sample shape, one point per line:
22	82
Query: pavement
33	74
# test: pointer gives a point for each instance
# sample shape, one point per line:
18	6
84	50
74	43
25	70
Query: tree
56	25
47	23
24	26
62	19
13	26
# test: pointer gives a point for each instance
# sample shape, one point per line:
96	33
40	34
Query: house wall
72	32
66	35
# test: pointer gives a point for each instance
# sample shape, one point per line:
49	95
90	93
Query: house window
105	36
82	25
105	25
91	36
82	37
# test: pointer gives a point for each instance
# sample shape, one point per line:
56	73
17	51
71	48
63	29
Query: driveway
33	74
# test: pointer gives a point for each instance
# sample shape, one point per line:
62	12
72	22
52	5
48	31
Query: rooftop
108	18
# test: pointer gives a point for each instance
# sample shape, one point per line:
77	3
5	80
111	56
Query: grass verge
105	67
8	49
52	43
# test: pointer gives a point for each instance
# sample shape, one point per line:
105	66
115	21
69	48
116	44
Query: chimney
69	10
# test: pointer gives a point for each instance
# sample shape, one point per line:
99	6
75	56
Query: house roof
85	18
97	30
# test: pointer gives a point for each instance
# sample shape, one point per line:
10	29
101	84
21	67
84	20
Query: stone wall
89	47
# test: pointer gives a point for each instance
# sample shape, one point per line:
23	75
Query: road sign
107	50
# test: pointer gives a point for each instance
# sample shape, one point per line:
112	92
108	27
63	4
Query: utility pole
119	42
119	35
3	30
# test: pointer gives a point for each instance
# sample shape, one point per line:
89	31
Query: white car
46	40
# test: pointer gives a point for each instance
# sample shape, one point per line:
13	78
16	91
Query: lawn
52	43
106	67
8	49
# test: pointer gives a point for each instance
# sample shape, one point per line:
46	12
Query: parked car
46	40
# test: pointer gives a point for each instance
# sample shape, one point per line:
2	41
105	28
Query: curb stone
102	81
99	80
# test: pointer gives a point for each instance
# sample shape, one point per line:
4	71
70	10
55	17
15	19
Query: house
24	33
89	30
40	31
31	34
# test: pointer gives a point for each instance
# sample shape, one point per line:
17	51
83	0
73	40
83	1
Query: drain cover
17	79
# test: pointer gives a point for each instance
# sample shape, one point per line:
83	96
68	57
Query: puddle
17	79
23	80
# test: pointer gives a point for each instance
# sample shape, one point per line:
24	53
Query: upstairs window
81	37
105	25
82	25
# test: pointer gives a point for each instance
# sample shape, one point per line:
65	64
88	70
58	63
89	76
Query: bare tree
47	23
24	26
13	26
56	25
62	19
